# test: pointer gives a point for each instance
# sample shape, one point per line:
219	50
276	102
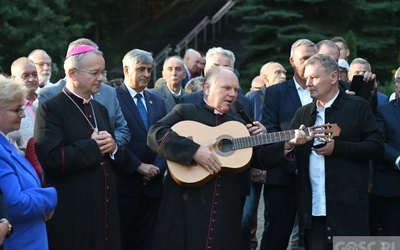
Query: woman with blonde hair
29	205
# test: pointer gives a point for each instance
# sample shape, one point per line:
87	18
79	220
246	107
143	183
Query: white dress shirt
317	168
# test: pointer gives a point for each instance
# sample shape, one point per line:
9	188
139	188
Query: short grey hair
360	60
176	57
213	73
137	56
265	66
82	41
20	61
301	42
220	51
327	62
328	43
10	91
33	52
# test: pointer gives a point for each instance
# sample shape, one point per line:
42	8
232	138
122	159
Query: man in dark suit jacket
139	182
386	178
271	73
280	104
173	73
333	178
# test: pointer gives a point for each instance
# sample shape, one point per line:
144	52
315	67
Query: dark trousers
249	218
315	237
280	213
388	215
137	218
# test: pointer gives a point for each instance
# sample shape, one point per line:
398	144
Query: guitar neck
252	141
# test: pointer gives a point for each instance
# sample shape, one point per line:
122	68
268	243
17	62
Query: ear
126	70
206	88
347	52
265	79
291	61
71	74
334	77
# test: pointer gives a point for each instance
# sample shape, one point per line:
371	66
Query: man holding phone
360	66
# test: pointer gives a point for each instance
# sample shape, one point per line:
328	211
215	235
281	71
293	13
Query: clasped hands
104	140
148	171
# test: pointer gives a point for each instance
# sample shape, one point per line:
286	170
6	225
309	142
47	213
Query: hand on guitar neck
299	139
256	128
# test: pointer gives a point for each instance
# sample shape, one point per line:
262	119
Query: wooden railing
160	58
193	34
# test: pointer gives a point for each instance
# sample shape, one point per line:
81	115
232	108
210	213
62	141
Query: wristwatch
10	228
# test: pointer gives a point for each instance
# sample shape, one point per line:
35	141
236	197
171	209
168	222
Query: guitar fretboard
252	141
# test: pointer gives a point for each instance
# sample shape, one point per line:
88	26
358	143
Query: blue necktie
142	110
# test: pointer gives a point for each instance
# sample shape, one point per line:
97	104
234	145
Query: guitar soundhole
225	145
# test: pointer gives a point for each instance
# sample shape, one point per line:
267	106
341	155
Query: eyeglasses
41	64
94	73
19	111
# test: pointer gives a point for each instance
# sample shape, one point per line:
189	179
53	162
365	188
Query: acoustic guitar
233	146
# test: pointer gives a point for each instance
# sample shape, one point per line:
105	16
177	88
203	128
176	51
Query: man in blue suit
139	182
386	178
105	96
280	104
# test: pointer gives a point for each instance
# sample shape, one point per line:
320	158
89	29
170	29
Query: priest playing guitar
207	214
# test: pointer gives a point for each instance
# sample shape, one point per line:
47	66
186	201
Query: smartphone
319	145
360	87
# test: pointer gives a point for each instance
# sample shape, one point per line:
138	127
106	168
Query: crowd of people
96	163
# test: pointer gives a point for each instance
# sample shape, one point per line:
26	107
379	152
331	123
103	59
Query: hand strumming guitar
207	159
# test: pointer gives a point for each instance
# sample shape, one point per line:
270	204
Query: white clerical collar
85	101
215	110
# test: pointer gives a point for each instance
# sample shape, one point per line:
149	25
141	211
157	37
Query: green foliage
371	29
352	45
386	88
33	24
